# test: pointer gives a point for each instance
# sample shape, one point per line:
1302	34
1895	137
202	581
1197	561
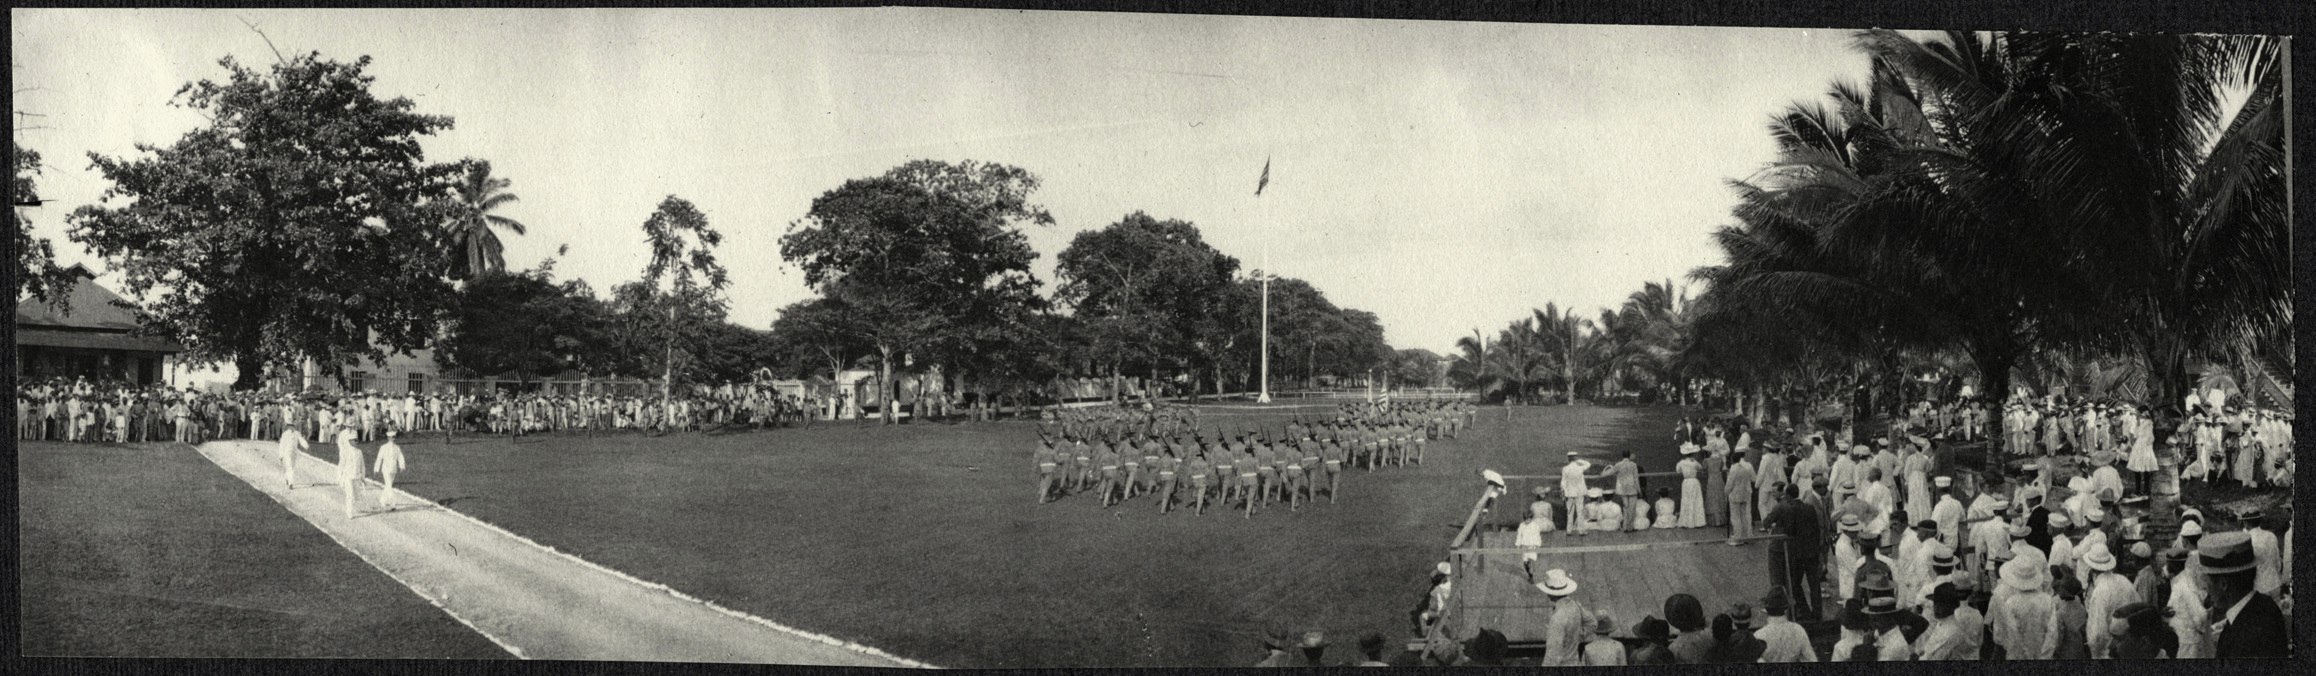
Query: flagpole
1265	397
1265	393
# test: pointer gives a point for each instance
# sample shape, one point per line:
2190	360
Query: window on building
418	382
358	381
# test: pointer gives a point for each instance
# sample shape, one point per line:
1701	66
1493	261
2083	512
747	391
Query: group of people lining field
1120	451
2057	557
80	410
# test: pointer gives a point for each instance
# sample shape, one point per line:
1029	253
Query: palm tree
474	232
2141	177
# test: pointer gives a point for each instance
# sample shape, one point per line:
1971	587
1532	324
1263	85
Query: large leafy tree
1141	284
928	259
681	296
37	275
530	325
477	250
302	222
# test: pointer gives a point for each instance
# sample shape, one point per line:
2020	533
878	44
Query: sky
1448	176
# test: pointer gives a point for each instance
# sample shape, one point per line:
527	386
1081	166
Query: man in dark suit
2246	622
1794	561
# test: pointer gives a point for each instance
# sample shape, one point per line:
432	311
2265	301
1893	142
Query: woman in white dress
1668	514
2247	465
2142	461
1692	490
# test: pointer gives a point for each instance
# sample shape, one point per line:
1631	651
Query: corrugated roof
91	306
95	340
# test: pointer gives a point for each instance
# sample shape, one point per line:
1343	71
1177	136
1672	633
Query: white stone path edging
258	464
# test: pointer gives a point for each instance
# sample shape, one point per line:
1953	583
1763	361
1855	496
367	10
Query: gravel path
536	602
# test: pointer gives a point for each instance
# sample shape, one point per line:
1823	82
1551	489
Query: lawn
926	539
148	550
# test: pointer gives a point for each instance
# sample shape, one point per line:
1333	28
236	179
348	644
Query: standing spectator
2140	634
1564	632
1733	640
1954	628
1692	510
2267	557
1603	651
2069	640
1653	634
1782	640
2247	623
1694	644
1740	489
2109	592
1573	488
1628	489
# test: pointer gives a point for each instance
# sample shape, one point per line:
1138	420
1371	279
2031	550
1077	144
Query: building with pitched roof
91	334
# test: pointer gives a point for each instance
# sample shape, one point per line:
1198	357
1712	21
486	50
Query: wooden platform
1627	574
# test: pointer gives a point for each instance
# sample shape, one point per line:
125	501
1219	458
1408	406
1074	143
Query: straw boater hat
1942	481
2099	558
1881	606
2222	553
1851	524
1942	556
1314	639
1557	583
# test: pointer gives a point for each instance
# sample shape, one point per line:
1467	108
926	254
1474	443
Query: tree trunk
885	384
2167	370
249	372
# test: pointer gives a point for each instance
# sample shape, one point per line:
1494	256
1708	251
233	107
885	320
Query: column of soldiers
1120	452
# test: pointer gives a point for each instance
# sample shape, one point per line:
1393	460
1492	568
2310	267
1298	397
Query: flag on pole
1266	179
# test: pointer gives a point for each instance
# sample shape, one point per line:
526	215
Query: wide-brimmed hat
2094	515
2060	520
1652	629
1557	583
1688	448
2222	553
1777	599
2020	529
1602	624
1741	613
2189	529
1314	639
1943	557
1851	524
2142	550
1443	568
1492	477
1861	449
2099	558
1942	481
2021	575
1881	605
